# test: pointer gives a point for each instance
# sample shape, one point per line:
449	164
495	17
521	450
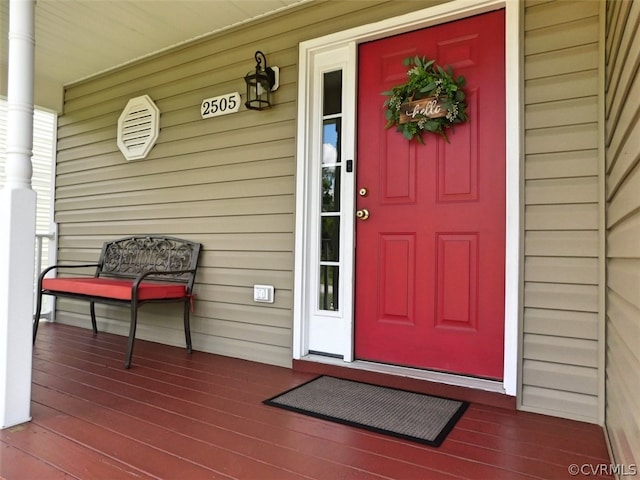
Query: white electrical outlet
263	293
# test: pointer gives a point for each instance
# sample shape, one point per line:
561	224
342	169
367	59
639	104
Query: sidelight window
330	188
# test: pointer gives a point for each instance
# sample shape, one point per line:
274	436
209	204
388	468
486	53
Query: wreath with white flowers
432	100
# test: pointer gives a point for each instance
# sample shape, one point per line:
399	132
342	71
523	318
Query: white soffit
138	127
77	39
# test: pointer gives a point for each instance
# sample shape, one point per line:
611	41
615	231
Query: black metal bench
131	271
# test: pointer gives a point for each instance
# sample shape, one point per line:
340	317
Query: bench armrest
142	276
52	267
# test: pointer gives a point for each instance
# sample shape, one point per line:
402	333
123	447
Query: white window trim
450	11
329	333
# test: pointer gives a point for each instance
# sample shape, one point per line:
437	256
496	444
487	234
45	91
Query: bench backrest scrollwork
131	256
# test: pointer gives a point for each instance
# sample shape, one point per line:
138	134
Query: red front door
430	257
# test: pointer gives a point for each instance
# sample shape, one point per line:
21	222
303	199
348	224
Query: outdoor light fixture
260	84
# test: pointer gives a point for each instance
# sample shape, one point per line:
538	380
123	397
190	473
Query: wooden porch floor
200	416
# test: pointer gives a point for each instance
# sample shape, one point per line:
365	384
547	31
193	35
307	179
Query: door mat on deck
399	413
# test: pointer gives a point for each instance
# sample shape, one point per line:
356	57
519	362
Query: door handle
362	214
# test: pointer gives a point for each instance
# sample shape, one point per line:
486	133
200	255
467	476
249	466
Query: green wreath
426	81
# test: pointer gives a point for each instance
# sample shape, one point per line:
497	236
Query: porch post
17	218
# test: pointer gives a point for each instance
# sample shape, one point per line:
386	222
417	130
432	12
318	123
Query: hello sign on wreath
432	100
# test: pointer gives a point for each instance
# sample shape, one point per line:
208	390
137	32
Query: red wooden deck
200	416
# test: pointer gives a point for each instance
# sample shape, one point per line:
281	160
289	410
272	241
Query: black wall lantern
260	84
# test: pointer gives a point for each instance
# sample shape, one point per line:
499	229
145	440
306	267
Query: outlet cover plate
263	293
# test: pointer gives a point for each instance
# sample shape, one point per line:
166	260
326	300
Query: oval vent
138	127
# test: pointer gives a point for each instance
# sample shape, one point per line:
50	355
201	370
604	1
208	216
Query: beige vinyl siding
227	182
623	230
561	351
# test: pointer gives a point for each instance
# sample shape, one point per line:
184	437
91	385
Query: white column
17	221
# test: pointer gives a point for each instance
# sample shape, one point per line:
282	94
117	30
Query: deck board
175	415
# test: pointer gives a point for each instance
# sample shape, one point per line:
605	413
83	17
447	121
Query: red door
430	258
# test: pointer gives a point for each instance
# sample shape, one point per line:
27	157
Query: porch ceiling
79	38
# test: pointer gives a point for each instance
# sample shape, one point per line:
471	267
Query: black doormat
399	413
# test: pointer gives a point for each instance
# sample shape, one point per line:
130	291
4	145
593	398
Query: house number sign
222	105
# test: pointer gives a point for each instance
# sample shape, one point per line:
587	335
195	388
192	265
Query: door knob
362	214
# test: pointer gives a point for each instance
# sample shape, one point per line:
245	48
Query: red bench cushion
114	288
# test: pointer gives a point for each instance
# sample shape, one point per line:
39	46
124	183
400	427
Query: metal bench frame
138	258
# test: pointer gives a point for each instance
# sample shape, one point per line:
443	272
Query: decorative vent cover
138	127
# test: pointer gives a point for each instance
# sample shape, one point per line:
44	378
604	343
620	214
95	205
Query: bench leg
132	334
36	317
187	327
92	307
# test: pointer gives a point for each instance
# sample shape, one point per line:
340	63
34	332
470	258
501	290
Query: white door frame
304	235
